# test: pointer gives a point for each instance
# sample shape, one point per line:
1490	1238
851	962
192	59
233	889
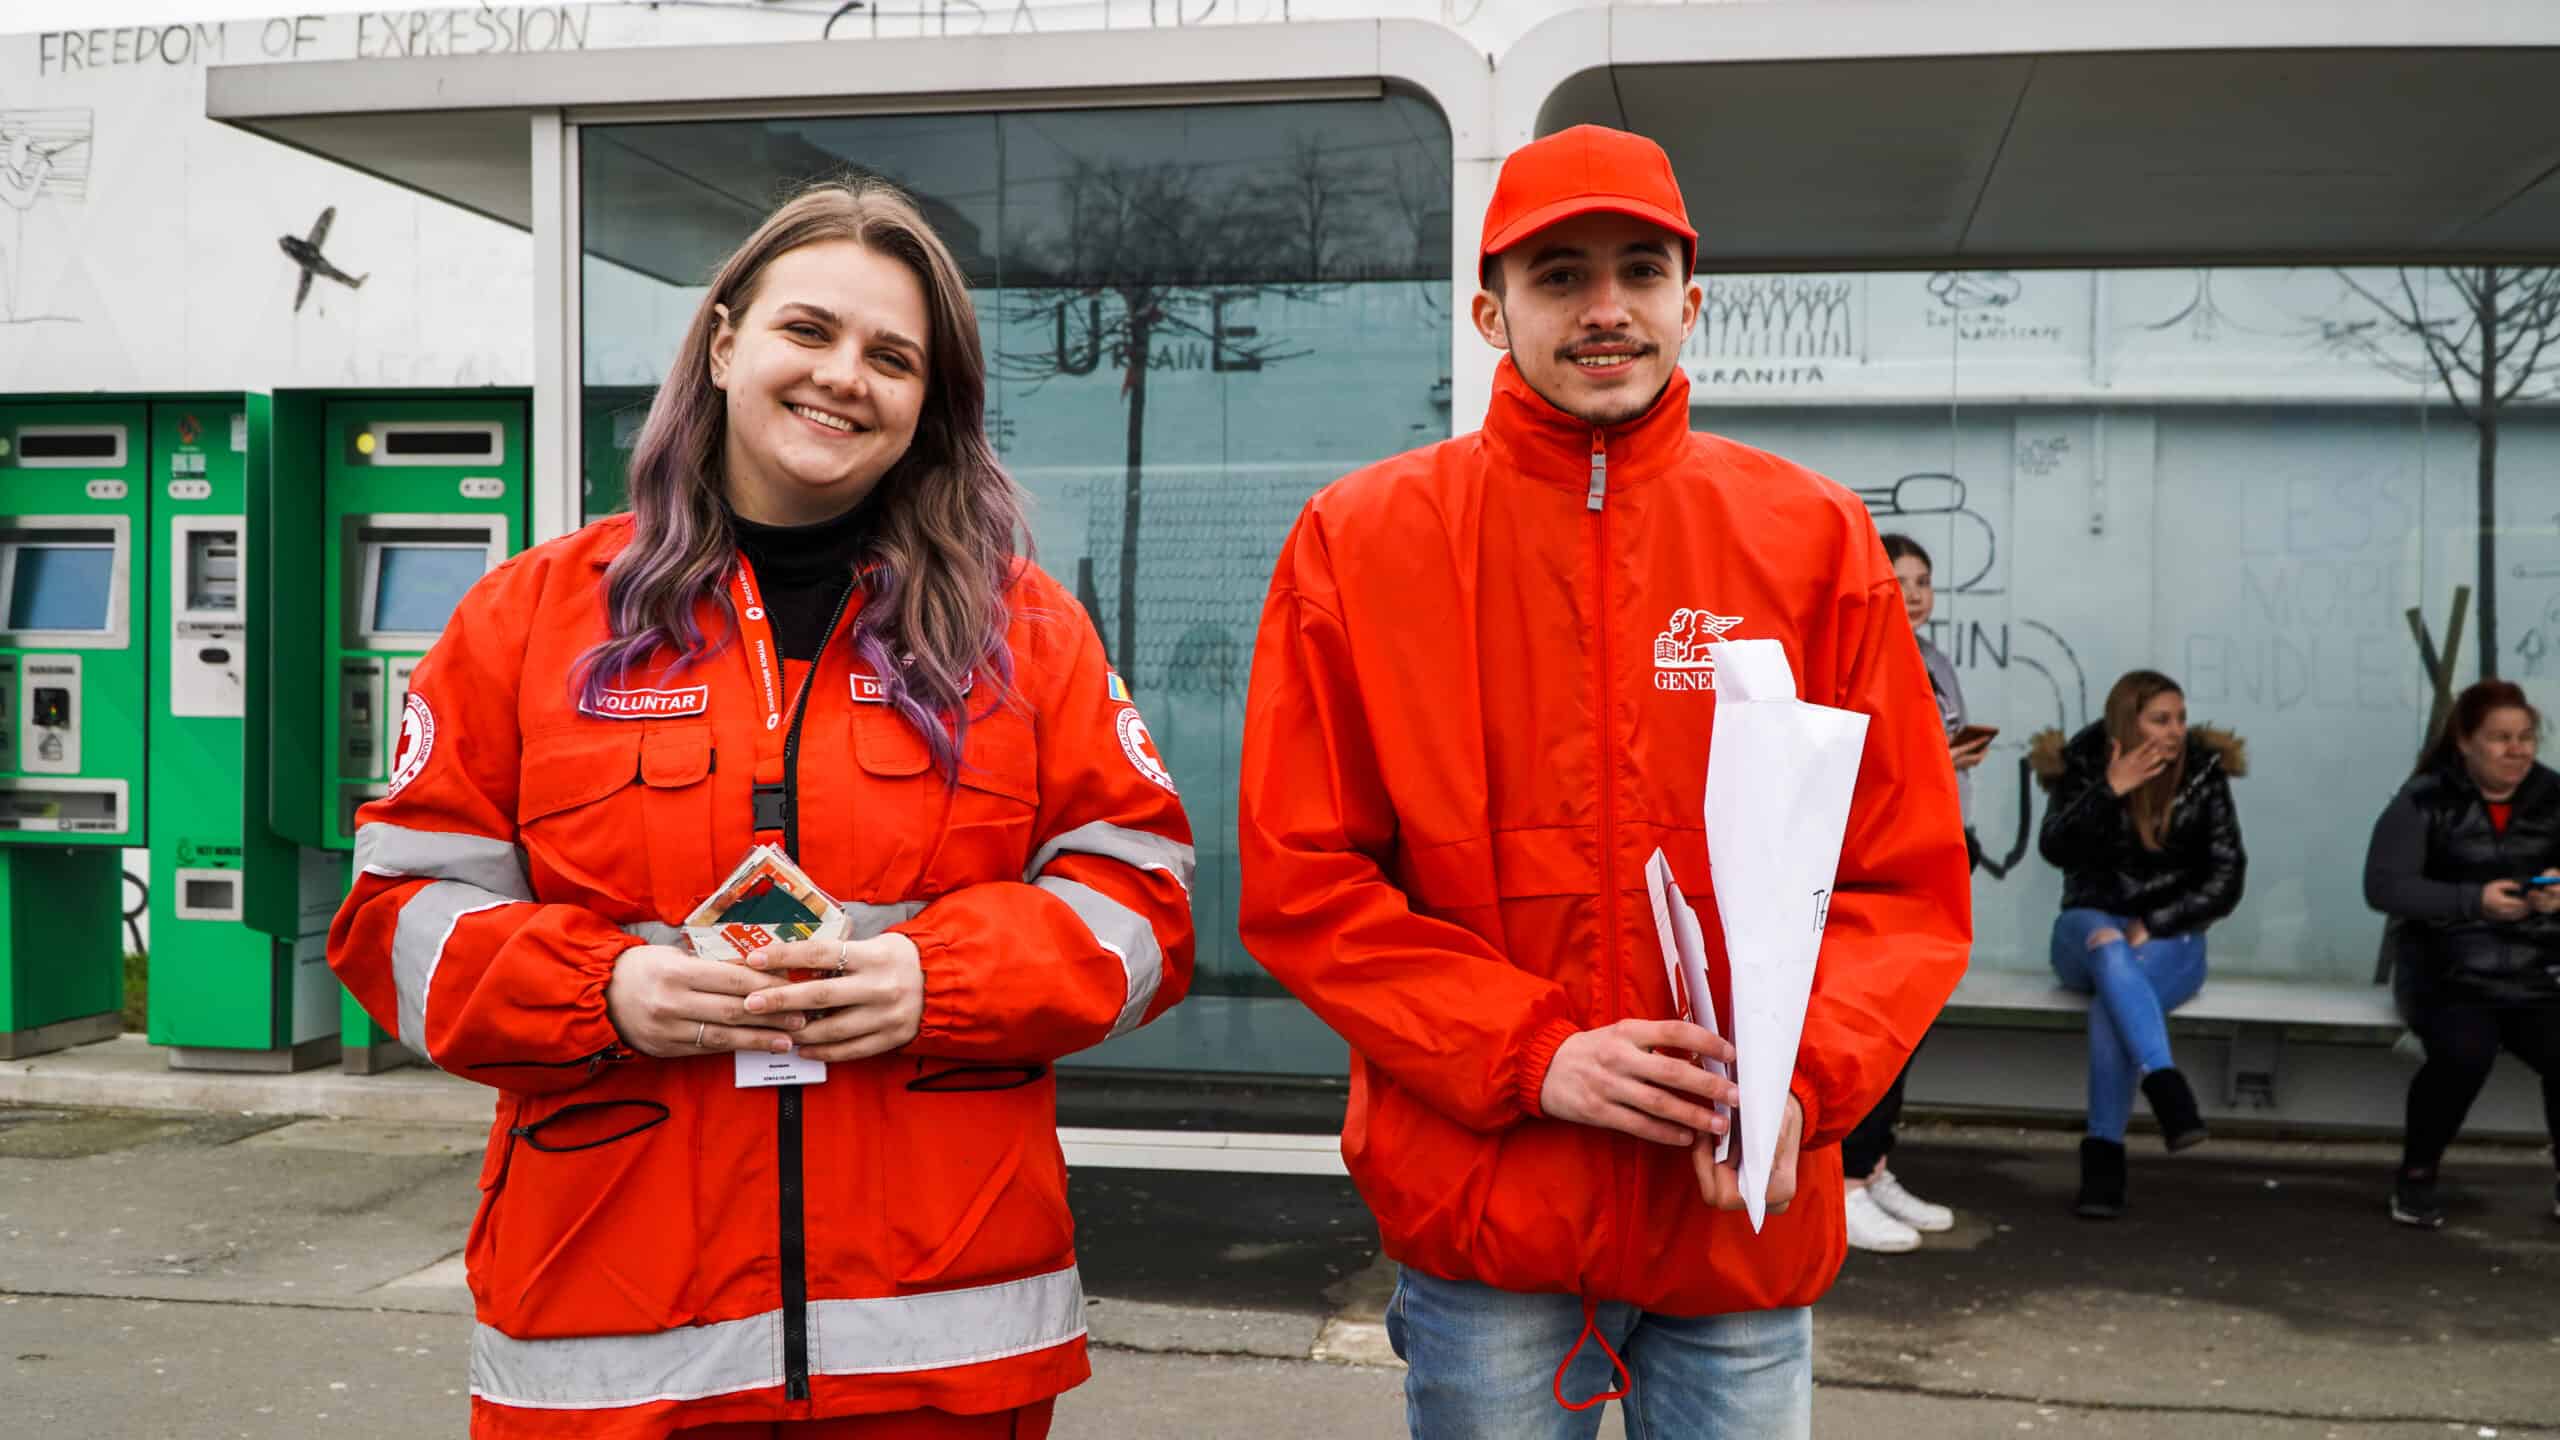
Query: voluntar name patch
650	704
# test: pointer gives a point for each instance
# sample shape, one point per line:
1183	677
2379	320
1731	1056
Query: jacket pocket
984	1187
587	1219
945	835
620	811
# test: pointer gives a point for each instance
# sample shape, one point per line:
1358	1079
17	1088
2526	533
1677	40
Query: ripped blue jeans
2131	992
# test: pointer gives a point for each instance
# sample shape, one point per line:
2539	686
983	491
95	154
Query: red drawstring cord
1591	1331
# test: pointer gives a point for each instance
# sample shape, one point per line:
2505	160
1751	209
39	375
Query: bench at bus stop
2252	1047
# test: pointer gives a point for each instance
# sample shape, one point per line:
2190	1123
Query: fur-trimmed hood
2050	755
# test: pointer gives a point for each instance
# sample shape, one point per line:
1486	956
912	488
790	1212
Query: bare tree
1152	253
1416	190
2489	344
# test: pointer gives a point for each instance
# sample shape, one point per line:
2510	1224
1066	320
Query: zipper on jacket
1608	728
1611	1002
795	1225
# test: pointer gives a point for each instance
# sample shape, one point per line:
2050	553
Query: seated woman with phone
2466	862
1882	1216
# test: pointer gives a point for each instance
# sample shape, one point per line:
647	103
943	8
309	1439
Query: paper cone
1779	778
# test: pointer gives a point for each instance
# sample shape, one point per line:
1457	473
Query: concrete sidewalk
169	1271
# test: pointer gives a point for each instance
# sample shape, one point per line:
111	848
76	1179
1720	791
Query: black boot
2173	1104
2101	1179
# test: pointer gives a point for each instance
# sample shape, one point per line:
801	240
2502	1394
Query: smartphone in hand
1972	735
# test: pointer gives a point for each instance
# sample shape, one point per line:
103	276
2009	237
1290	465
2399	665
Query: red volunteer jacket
1479	702
655	1247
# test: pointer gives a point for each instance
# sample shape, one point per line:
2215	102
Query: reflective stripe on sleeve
889	1335
395	852
427	919
1142	849
870	922
1125	933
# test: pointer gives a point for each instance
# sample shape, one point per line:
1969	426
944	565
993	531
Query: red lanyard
757	631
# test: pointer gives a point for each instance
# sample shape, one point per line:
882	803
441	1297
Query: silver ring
844	955
700	1029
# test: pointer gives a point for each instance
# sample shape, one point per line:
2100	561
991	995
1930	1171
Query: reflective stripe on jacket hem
893	1334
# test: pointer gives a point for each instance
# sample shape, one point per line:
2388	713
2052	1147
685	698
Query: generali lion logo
1680	659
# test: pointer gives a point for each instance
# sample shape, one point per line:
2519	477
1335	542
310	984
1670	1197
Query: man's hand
1612	1078
869	1002
1721	1185
667	1003
2504	900
2544	899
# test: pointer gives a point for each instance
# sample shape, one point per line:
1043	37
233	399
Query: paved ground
210	1273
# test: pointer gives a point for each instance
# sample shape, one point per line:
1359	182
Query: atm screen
60	587
416	586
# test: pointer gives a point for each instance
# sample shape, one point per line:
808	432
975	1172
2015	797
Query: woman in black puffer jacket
2476	950
2142	827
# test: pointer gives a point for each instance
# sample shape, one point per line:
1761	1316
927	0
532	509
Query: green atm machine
384	510
74	507
239	914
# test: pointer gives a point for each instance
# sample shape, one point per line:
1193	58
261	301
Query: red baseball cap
1575	172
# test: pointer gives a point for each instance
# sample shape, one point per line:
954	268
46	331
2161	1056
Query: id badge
760	1068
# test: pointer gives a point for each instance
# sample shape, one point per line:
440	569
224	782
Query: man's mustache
1580	348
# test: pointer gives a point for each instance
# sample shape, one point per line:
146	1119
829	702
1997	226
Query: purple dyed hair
946	519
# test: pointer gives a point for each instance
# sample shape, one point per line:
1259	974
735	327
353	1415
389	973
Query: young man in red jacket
1481	699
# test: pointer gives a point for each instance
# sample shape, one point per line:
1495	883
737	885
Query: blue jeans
1482	1363
2131	992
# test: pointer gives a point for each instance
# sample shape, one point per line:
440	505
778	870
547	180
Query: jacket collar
1545	444
2455	777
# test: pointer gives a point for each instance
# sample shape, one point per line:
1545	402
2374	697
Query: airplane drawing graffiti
305	252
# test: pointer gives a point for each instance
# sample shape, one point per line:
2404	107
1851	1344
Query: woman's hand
2504	900
869	1002
667	1003
2128	773
2137	935
2545	899
1971	752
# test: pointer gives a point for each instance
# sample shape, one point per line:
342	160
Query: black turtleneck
803	571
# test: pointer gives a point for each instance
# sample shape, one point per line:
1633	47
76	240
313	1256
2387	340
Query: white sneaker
1872	1229
1908	1208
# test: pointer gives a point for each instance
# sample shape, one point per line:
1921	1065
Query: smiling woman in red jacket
811	632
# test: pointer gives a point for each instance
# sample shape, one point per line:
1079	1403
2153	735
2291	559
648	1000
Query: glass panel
2246	478
61	587
1166	297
